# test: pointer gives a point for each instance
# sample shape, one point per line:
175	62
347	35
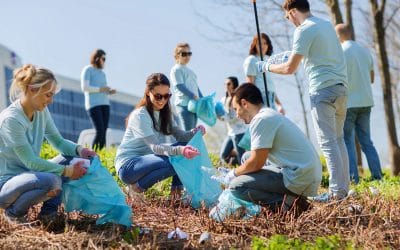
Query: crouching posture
25	178
293	167
142	158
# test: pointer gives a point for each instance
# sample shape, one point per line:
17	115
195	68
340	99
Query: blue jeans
231	142
328	110
357	123
30	188
265	186
187	119
148	170
100	116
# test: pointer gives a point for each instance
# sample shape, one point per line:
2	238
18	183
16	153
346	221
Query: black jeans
100	116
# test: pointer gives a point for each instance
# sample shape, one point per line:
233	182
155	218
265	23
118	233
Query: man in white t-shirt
294	168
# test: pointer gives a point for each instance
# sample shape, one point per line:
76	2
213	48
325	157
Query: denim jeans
148	170
265	186
187	119
231	142
21	192
357	123
30	188
100	116
328	110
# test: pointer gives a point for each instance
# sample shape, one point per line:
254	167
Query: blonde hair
30	76
179	48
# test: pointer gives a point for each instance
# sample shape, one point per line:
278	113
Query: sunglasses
185	54
159	97
103	59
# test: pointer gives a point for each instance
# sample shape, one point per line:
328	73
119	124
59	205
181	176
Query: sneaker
12	220
322	198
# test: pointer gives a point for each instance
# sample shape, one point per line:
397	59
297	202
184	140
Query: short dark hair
95	57
249	92
254	45
300	5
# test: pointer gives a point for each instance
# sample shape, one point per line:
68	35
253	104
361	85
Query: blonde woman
25	178
185	87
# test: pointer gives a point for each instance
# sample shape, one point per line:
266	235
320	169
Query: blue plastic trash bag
219	109
229	205
97	193
192	104
205	110
198	183
245	142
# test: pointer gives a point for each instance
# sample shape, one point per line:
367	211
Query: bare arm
256	161
288	67
250	79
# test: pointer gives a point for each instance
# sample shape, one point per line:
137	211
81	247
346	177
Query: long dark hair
157	79
254	44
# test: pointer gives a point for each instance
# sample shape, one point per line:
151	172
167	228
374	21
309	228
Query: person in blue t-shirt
316	44
25	178
143	156
360	72
256	77
94	85
185	86
282	164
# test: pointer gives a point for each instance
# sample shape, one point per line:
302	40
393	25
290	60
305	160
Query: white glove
224	177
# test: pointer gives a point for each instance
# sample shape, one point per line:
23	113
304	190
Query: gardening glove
225	176
85	152
199	128
189	152
75	171
263	66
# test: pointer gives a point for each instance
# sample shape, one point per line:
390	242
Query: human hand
112	91
86	153
105	89
262	66
189	152
200	128
280	109
75	171
196	97
224	176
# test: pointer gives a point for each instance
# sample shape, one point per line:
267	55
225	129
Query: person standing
185	87
316	44
25	178
94	86
256	77
282	164
360	73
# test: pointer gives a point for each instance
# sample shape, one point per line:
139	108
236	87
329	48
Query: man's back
359	67
324	61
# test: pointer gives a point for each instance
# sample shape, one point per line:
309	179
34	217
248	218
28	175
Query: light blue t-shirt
324	62
96	78
359	67
139	126
289	149
250	69
181	74
22	139
234	125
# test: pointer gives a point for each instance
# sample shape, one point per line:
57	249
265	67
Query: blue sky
139	38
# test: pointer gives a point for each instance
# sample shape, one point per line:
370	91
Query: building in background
68	108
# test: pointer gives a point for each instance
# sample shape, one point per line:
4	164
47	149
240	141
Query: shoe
12	220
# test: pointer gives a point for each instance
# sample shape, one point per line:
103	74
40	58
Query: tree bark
334	10
349	17
383	63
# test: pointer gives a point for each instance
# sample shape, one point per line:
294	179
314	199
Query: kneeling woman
142	157
25	178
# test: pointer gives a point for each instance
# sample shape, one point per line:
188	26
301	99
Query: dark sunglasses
103	59
159	97
185	54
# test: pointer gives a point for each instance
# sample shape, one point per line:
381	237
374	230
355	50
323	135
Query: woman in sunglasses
254	76
185	87
142	157
94	85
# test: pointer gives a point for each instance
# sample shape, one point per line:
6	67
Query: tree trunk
334	9
349	17
383	63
